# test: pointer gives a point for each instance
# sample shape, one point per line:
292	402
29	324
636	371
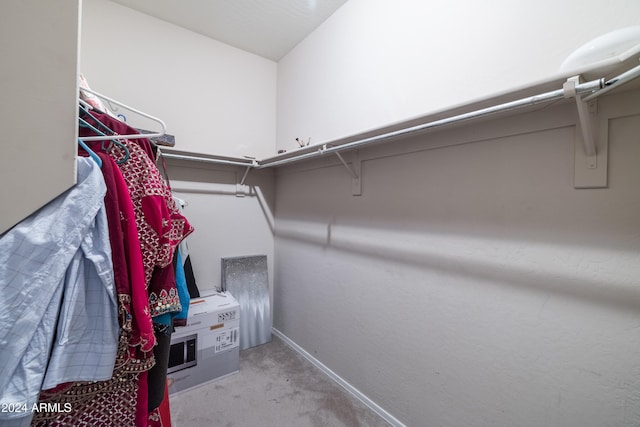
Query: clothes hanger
85	124
85	107
98	122
92	153
163	127
85	104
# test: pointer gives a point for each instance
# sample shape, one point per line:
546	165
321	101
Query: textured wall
226	225
376	62
214	98
471	285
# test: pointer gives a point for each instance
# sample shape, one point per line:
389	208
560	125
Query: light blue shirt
56	279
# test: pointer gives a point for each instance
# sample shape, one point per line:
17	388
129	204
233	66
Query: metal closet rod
248	163
508	106
593	88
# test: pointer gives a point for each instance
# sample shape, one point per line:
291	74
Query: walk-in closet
316	213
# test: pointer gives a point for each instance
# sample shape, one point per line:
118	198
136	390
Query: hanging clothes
180	319
128	266
157	376
160	227
134	316
89	401
161	416
177	275
140	227
189	277
61	249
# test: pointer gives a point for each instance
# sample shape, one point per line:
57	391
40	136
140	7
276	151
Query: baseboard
339	380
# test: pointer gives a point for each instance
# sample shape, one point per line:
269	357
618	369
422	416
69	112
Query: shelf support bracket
240	187
346	165
590	153
356	183
246	172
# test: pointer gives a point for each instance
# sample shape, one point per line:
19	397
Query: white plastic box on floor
208	347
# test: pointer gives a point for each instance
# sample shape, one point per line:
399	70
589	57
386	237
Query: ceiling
269	28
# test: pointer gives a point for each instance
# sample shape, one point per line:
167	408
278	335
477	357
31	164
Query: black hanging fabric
191	279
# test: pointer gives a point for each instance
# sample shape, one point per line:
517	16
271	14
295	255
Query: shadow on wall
594	275
223	182
254	191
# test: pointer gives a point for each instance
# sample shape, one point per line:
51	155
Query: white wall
214	98
226	225
376	62
472	285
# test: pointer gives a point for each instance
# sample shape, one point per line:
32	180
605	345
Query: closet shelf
559	89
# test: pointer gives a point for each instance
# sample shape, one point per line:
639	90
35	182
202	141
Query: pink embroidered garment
160	228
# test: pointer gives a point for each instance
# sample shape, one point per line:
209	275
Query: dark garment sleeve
191	280
157	378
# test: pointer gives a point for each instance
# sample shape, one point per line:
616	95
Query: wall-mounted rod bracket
587	118
240	187
346	165
591	145
246	172
356	182
355	172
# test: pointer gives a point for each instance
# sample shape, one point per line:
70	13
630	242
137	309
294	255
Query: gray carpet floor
275	387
